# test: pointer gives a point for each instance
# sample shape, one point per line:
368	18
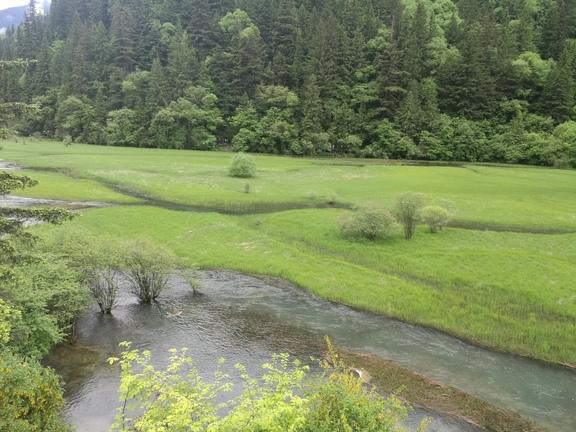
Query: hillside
414	79
11	17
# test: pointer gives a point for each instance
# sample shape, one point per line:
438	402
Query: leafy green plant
243	166
342	402
30	396
286	398
331	199
190	275
435	217
121	128
98	262
368	223
39	298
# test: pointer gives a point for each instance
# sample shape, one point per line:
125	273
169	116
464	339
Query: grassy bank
510	291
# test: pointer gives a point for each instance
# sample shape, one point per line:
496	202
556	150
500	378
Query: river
246	319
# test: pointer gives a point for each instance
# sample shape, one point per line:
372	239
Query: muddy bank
422	391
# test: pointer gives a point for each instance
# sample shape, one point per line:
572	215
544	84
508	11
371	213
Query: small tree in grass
243	166
368	223
407	212
435	217
147	269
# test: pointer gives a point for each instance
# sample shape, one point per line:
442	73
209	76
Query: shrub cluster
373	223
143	268
103	286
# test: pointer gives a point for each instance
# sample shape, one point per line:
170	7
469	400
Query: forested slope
431	79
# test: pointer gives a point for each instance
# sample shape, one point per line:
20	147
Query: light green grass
525	197
54	186
514	292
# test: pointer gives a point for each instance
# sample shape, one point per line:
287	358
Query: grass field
514	291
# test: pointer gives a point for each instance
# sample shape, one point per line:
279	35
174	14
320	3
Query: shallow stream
246	319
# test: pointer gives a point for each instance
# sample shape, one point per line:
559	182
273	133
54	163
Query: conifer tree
559	95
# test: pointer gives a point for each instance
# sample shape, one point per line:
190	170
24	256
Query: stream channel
245	319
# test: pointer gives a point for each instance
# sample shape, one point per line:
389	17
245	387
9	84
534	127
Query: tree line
490	81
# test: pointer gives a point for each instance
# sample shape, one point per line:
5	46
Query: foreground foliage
286	398
30	396
39	299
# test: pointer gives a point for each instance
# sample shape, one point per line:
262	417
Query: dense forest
463	80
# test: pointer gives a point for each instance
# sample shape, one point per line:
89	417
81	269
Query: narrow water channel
245	319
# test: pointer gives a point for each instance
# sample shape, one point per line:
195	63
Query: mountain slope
12	16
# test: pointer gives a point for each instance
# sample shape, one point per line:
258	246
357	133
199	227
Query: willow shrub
147	267
286	398
407	212
103	285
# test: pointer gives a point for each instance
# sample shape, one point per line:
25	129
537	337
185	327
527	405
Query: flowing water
7	166
11	201
246	319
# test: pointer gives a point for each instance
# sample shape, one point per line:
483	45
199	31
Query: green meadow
502	276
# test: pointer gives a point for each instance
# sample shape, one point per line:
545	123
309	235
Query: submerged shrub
368	223
147	269
243	166
97	261
435	217
407	211
103	286
192	279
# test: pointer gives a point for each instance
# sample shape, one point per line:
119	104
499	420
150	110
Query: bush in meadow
243	166
368	223
407	212
435	217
